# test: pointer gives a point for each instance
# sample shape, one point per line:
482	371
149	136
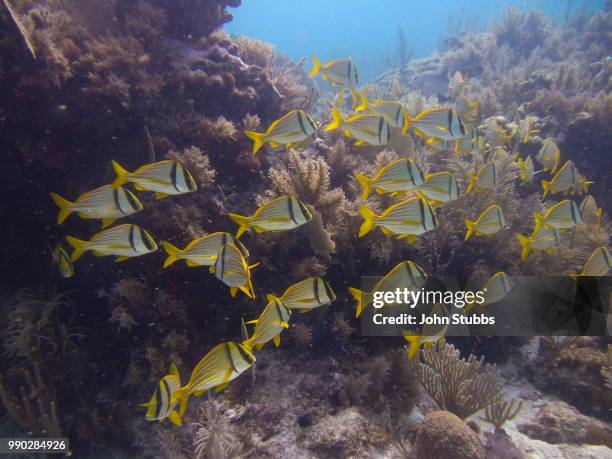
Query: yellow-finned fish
63	261
495	135
598	264
399	175
544	240
549	155
280	214
563	215
407	275
439	123
485	179
366	129
273	320
340	72
307	294
567	180
165	178
430	333
494	290
163	403
525	169
471	142
456	84
202	251
440	188
106	203
467	109
232	269
123	241
591	214
488	223
393	111
525	129
221	365
290	129
408	218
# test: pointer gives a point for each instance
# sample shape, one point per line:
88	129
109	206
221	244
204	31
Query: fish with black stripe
494	290
123	241
490	221
272	321
405	275
63	261
393	111
221	365
339	72
163	403
106	203
165	178
439	123
408	219
280	214
306	294
290	129
202	251
563	216
485	179
365	129
399	175
439	188
232	269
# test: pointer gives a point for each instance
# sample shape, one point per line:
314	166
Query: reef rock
558	422
443	435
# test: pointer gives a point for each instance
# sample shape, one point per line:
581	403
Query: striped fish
273	320
598	264
294	127
562	216
545	239
488	223
163	403
232	269
525	169
393	111
549	155
400	175
407	275
221	365
366	129
467	109
106	203
341	72
63	261
280	214
439	188
439	123
307	294
123	241
165	178
202	251
409	218
485	179
495	135
566	180
591	214
494	290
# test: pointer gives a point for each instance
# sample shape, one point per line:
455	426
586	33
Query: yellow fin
64	206
121	174
106	222
175	419
220	387
276	340
121	258
161	195
78	246
172	252
257	138
243	222
368	221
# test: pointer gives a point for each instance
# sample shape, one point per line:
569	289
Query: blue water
367	30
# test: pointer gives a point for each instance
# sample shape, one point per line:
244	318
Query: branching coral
501	411
457	385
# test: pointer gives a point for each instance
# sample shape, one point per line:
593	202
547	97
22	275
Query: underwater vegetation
235	187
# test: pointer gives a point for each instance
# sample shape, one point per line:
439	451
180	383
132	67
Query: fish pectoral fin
139	187
98	254
106	222
283	324
221	387
175	418
233	291
193	264
276	340
121	258
386	230
161	195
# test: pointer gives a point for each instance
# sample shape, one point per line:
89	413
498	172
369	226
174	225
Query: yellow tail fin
406	122
539	221
337	119
364	100
316	67
173	253
471	226
64	206
368	221
271	297
546	187
358	295
365	183
78	245
257	138
414	342
526	246
121	174
243	222
473	179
